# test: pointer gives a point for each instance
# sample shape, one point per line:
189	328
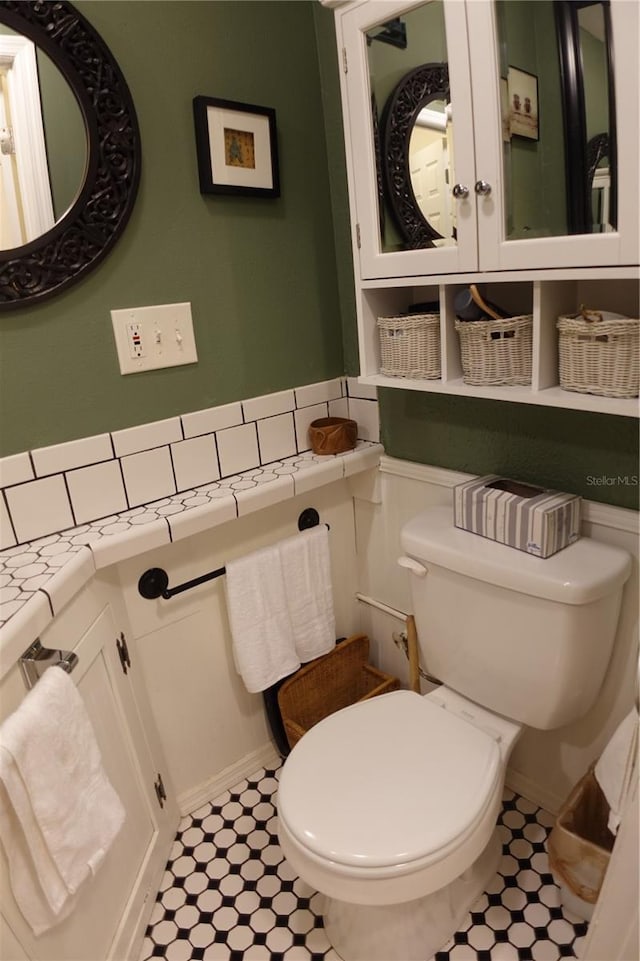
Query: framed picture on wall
237	148
523	104
504	110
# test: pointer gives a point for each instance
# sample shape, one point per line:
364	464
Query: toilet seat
388	785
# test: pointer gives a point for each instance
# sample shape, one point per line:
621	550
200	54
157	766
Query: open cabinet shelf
544	299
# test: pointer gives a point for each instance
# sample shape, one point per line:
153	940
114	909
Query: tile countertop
37	579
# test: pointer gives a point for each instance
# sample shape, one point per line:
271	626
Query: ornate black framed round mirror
418	88
86	232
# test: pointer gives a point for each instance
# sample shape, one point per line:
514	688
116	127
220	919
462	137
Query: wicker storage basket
496	351
580	844
410	346
599	357
330	683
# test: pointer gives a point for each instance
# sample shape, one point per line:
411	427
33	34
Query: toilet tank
527	637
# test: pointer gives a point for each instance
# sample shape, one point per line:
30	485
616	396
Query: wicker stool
329	683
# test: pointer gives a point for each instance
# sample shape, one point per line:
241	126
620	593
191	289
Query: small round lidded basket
332	435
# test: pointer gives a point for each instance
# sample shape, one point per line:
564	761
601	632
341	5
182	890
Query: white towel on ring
263	646
307	576
615	767
59	813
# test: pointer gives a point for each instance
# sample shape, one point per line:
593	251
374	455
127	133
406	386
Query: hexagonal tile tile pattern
228	894
29	567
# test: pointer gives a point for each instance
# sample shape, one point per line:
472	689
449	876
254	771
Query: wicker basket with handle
496	352
599	356
410	346
336	680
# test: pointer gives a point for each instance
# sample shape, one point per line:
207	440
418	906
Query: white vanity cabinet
487	221
106	922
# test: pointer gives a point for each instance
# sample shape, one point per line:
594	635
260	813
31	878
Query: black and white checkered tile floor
229	895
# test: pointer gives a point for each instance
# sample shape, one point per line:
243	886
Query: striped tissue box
529	518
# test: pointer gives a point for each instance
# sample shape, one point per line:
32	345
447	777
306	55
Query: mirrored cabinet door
407	95
491	134
563	191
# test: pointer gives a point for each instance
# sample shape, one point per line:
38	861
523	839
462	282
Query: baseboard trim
533	791
265	756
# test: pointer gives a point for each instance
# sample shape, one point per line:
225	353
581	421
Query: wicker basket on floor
330	683
410	346
496	352
599	357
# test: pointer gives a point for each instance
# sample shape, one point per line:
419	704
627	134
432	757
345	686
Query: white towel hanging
59	813
306	568
263	646
280	606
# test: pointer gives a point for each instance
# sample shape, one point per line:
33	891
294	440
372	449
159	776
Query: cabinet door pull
460	192
482	188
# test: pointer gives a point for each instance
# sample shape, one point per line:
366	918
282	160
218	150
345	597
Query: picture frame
237	149
504	110
523	104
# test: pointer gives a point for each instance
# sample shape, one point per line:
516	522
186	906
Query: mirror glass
420	160
555	96
84	186
593	45
43	144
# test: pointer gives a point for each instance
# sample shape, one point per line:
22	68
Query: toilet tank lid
578	574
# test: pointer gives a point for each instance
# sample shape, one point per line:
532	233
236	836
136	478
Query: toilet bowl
389	809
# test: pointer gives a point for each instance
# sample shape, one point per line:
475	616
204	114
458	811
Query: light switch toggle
151	337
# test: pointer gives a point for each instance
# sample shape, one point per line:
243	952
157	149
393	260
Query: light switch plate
151	337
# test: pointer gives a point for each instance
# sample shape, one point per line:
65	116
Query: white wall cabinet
544	275
106	922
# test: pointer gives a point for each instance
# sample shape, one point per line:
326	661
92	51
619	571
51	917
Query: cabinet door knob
460	192
482	188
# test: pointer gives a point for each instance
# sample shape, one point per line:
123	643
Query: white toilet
389	807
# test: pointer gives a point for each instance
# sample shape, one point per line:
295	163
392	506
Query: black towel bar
154	582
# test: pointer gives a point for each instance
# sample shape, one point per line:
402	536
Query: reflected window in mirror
412	133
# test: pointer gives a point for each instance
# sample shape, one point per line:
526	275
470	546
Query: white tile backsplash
197	519
302	420
365	412
277	438
265	495
96	491
212	419
339	408
317	393
15	470
39	507
75	453
237	449
365	391
7	537
136	439
195	461
85	477
268	406
148	476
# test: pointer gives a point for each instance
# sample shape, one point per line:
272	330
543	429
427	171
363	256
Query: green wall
269	281
260	274
537	204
